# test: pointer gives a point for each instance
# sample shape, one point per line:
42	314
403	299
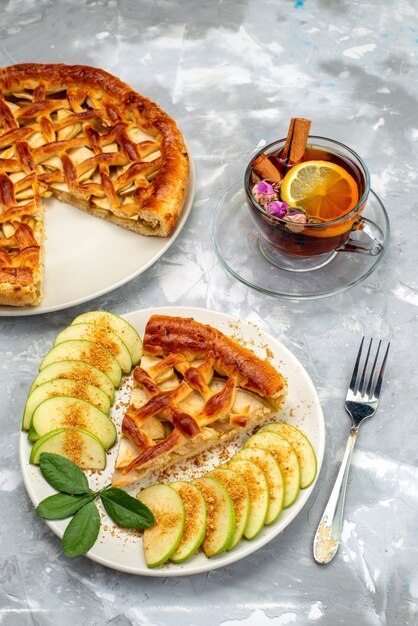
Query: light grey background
232	73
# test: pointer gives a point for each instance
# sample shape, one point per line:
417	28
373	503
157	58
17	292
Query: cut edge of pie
195	388
84	136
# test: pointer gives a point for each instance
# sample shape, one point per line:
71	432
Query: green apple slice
268	464
220	527
161	540
76	444
64	412
259	494
89	352
195	523
75	370
119	326
101	335
64	387
302	446
238	491
281	449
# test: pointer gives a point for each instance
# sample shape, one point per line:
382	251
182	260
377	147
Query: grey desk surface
232	73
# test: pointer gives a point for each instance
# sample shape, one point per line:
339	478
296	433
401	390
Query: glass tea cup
302	247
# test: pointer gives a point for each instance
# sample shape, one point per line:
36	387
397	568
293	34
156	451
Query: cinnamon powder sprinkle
233	484
253	486
98	356
79	373
78	390
166	521
74	417
269	353
212	512
191	501
101	335
73	445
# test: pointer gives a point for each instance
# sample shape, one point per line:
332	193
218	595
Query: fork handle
327	537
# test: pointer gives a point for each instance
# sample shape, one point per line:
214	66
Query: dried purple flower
298	217
277	208
263	192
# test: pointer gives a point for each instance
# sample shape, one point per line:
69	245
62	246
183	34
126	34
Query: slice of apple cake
195	387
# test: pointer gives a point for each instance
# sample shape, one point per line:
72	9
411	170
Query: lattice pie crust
195	387
84	136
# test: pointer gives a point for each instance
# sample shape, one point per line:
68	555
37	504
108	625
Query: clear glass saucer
236	243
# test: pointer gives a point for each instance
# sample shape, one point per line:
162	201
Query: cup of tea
306	212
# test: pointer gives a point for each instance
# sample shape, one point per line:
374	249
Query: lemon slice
324	189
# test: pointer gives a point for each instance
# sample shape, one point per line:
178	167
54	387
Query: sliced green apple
220	527
161	540
269	465
195	522
302	446
75	370
64	412
64	387
76	444
89	352
259	494
285	454
101	335
238	492
119	326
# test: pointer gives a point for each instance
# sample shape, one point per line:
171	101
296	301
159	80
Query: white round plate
86	257
121	549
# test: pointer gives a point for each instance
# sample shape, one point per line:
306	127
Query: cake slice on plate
195	387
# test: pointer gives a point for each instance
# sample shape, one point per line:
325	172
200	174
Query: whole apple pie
82	135
195	387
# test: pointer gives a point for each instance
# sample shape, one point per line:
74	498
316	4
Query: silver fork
361	402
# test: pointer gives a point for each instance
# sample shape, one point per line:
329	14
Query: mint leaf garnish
76	498
125	510
81	533
62	505
63	474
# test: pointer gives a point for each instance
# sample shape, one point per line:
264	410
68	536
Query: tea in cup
307	202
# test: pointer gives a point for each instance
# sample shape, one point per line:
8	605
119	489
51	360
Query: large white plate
122	549
86	257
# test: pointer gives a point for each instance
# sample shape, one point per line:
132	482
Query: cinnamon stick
296	140
264	168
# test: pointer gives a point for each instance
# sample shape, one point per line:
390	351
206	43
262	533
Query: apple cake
82	135
195	387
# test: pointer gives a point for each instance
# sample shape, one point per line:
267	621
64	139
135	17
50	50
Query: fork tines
372	375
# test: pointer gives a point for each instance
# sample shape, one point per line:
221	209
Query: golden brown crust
17	293
88	138
197	387
165	335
